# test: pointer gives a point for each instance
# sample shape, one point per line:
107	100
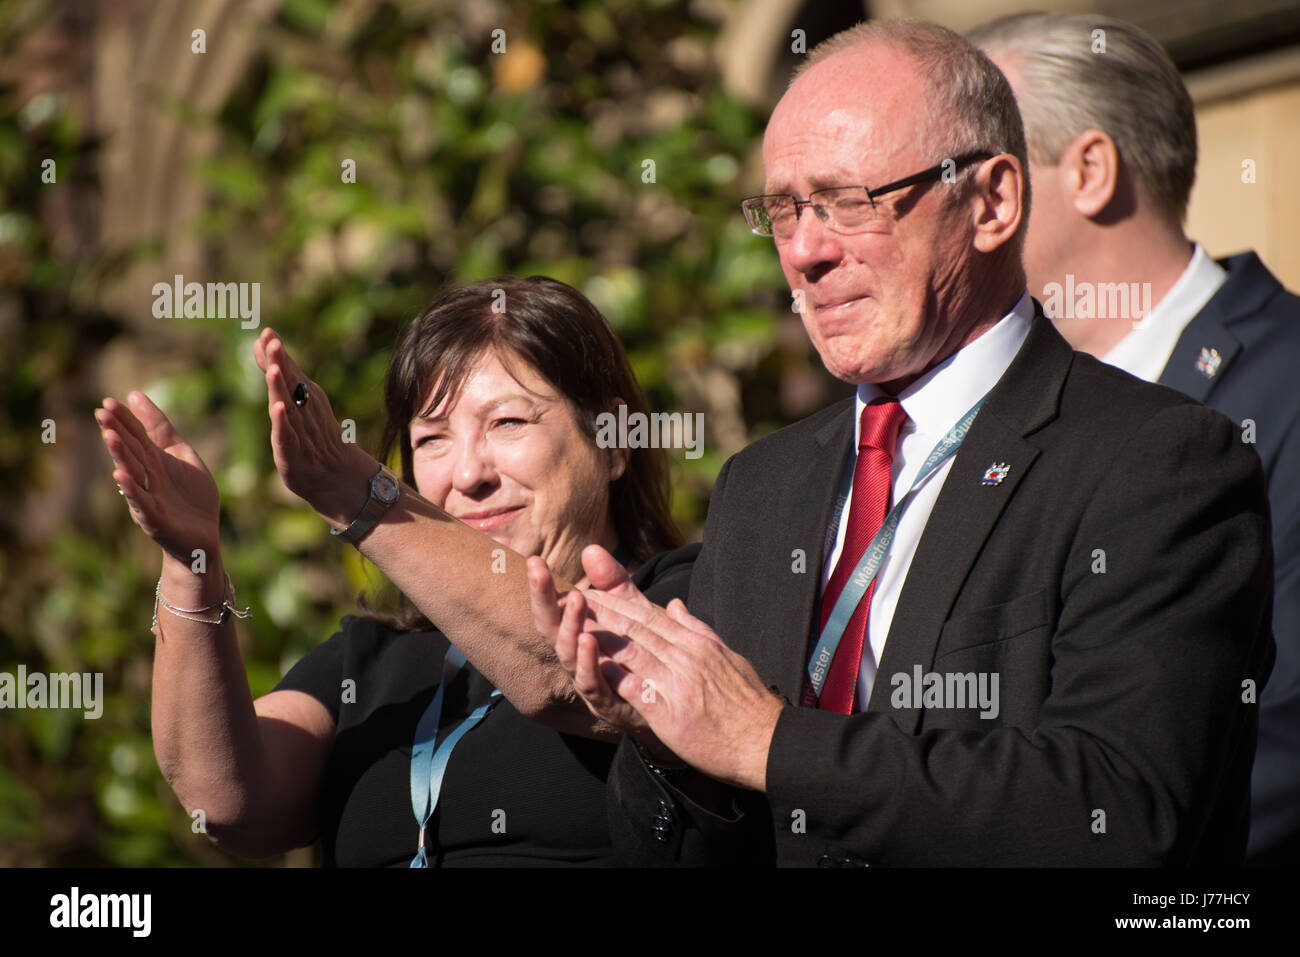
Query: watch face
384	488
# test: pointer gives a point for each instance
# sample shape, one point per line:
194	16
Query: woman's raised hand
171	493
306	439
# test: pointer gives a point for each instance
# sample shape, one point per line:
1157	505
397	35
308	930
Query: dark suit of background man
1112	156
1098	545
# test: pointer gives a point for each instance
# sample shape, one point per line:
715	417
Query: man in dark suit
1042	649
1112	156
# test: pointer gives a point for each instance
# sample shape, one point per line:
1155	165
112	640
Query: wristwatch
384	488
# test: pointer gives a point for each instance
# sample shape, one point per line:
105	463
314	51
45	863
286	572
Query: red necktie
872	492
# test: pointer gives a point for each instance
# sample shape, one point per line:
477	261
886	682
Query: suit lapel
1207	347
808	518
1202	354
962	518
967	510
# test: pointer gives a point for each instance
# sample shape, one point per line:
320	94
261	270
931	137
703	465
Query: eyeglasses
841	208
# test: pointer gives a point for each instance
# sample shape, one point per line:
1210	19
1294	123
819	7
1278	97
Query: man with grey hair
985	611
1112	157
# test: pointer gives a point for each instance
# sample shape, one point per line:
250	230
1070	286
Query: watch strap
370	513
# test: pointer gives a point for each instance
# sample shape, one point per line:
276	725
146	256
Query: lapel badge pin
995	473
1208	362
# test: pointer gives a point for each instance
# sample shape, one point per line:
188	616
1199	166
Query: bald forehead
865	104
870	71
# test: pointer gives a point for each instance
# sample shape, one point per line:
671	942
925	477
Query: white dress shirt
934	403
1145	351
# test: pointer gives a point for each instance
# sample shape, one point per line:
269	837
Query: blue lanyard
427	765
874	555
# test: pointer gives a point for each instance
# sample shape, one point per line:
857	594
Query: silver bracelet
226	606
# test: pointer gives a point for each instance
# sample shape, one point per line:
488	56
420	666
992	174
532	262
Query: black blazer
1118	583
1254	326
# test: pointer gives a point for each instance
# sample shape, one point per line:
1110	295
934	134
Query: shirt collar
1194	288
937	400
1144	351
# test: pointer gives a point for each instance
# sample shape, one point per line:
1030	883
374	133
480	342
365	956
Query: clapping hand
560	619
306	439
628	656
170	492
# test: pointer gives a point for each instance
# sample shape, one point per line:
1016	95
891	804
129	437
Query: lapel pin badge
1208	362
995	473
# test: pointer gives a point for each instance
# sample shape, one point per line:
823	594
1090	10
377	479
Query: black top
515	793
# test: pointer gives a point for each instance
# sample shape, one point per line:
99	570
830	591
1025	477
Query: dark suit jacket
1118	583
1254	325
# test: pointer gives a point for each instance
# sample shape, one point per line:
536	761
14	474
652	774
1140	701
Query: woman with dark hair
491	399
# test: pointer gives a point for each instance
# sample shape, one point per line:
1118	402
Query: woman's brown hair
557	331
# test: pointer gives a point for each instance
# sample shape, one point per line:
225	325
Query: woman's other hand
171	494
561	619
306	439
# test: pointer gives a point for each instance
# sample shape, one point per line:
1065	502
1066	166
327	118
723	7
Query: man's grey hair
1092	72
972	107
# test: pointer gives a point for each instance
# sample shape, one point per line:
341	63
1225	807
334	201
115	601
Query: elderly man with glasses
1005	606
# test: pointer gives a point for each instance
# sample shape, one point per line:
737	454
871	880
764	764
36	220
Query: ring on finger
300	394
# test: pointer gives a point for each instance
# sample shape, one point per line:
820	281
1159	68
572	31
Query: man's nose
813	245
472	467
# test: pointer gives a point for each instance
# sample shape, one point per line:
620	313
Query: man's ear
999	188
1089	168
